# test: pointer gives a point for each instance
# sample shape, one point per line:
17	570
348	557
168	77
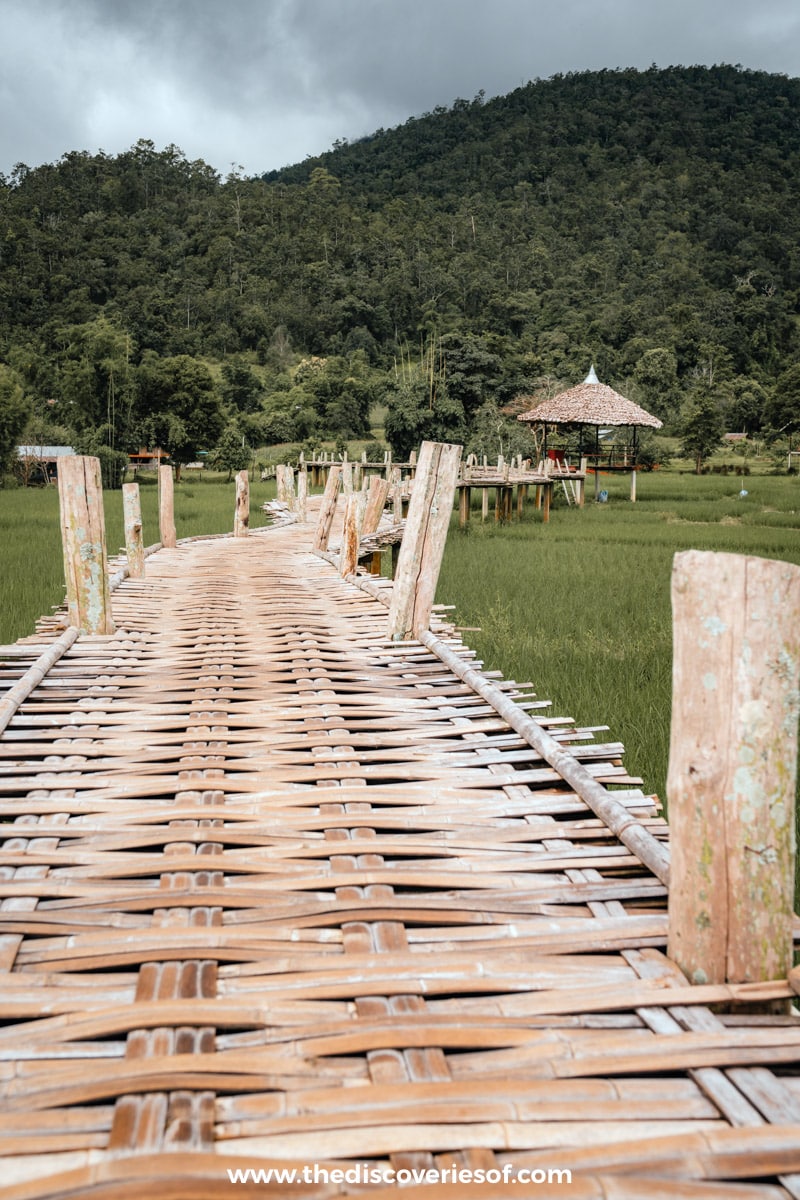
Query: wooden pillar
464	498
134	542
732	766
548	495
241	516
83	536
582	485
633	486
484	503
348	554
376	499
537	502
166	508
327	509
347	477
302	494
423	543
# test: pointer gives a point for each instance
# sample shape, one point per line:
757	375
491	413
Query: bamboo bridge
290	883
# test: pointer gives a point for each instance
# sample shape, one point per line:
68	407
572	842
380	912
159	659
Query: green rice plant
581	607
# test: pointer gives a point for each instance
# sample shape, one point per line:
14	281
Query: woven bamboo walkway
279	892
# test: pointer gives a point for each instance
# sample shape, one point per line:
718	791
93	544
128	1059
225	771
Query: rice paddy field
579	607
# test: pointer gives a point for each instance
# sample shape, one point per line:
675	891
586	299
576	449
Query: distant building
148	460
40	463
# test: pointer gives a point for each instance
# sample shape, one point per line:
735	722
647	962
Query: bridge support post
166	508
241	515
134	542
732	766
423	540
351	535
302	493
83	535
328	508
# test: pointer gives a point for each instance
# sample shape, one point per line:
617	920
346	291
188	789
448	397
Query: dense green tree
702	426
178	406
231	452
782	412
15	410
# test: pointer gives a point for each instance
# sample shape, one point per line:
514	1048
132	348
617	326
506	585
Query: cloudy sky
263	83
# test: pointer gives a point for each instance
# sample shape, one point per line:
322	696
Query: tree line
646	221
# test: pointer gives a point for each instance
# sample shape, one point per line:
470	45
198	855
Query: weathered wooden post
302	494
464	500
83	535
132	517
241	516
347	476
582	484
732	766
376	499
351	534
633	485
423	542
166	508
327	508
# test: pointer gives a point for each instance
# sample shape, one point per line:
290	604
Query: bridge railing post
83	535
327	508
424	539
732	766
134	542
166	508
302	493
241	515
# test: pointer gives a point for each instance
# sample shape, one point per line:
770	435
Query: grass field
579	607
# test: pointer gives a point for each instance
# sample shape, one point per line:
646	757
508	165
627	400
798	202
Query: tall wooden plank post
423	540
241	515
83	535
302	493
166	508
134	542
732	766
327	508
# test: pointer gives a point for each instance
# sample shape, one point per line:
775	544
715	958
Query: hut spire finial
592	376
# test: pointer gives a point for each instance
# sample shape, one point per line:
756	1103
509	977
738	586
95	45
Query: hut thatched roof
590	403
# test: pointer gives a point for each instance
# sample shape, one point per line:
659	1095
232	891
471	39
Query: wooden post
348	554
166	508
327	508
241	516
548	495
464	498
423	543
378	491
582	485
633	486
347	476
132	516
302	494
484	503
732	766
83	535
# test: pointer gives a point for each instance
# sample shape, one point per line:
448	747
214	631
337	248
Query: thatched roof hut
590	403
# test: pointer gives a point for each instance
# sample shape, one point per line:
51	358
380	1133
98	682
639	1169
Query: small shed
596	405
39	464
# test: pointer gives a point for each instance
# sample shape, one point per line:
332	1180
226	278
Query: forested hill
646	221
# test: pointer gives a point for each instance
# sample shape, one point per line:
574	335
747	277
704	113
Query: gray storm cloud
262	83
